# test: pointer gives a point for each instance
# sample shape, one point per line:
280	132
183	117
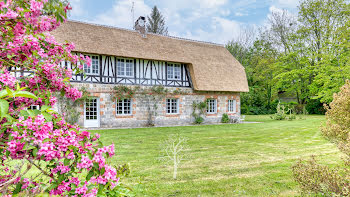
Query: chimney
140	26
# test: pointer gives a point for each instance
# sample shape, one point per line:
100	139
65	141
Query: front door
92	113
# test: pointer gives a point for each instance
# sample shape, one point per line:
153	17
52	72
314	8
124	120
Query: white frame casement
92	112
94	68
126	105
173	71
125	67
34	107
212	106
231	106
172	106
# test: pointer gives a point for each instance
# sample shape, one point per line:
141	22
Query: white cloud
207	20
211	3
121	16
287	3
220	30
77	9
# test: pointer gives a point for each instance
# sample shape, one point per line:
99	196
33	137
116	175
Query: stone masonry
139	116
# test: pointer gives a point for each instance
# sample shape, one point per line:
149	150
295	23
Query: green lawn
223	160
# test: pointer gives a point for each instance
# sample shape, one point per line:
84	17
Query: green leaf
44	108
4	107
100	189
25	94
91	173
24	113
9	91
53	186
60	178
3	93
47	116
18	188
34	152
66	162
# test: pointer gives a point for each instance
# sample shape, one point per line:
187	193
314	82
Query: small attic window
94	68
125	68
174	71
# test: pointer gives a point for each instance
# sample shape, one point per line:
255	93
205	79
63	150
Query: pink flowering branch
43	135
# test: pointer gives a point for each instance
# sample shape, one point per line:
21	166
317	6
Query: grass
223	160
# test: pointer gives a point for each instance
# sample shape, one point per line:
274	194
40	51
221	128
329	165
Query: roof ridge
173	37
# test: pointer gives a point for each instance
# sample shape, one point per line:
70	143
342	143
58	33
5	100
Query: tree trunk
175	167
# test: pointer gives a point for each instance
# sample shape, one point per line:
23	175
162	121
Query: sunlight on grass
224	160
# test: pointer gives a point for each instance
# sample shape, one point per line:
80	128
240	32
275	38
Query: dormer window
125	68
94	68
174	71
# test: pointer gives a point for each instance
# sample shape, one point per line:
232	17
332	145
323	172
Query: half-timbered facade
193	71
106	69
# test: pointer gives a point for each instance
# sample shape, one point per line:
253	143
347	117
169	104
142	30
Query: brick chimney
140	26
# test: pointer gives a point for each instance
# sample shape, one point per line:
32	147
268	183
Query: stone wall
139	117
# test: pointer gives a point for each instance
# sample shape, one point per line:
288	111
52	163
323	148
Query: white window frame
212	106
34	107
173	71
231	106
95	62
123	104
122	65
90	114
169	106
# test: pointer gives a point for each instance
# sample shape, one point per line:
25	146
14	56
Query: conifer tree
156	22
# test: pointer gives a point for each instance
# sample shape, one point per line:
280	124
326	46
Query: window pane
170	71
123	107
211	106
177	72
172	106
120	67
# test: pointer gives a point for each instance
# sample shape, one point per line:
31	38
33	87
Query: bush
280	114
199	109
198	120
321	179
314	106
225	118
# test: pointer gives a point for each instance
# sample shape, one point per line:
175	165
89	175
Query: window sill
124	116
211	114
172	115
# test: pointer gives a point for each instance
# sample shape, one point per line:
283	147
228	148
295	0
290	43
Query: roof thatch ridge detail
125	29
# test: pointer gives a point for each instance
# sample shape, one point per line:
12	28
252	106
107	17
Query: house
192	71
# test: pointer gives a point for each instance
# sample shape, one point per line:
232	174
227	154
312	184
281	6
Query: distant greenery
225	160
306	56
156	22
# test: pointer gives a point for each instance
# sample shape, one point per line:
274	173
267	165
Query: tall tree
156	22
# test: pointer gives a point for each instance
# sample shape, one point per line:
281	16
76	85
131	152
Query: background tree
304	56
156	22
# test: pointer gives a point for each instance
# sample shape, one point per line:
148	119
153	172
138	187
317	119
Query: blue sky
207	20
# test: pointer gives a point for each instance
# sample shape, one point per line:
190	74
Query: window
91	109
172	106
232	106
123	107
174	71
34	107
211	106
125	68
94	68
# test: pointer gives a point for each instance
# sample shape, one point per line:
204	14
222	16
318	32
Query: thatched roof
212	67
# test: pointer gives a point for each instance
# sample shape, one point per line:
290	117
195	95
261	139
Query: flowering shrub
39	151
321	179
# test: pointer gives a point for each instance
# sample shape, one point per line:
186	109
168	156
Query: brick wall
139	116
